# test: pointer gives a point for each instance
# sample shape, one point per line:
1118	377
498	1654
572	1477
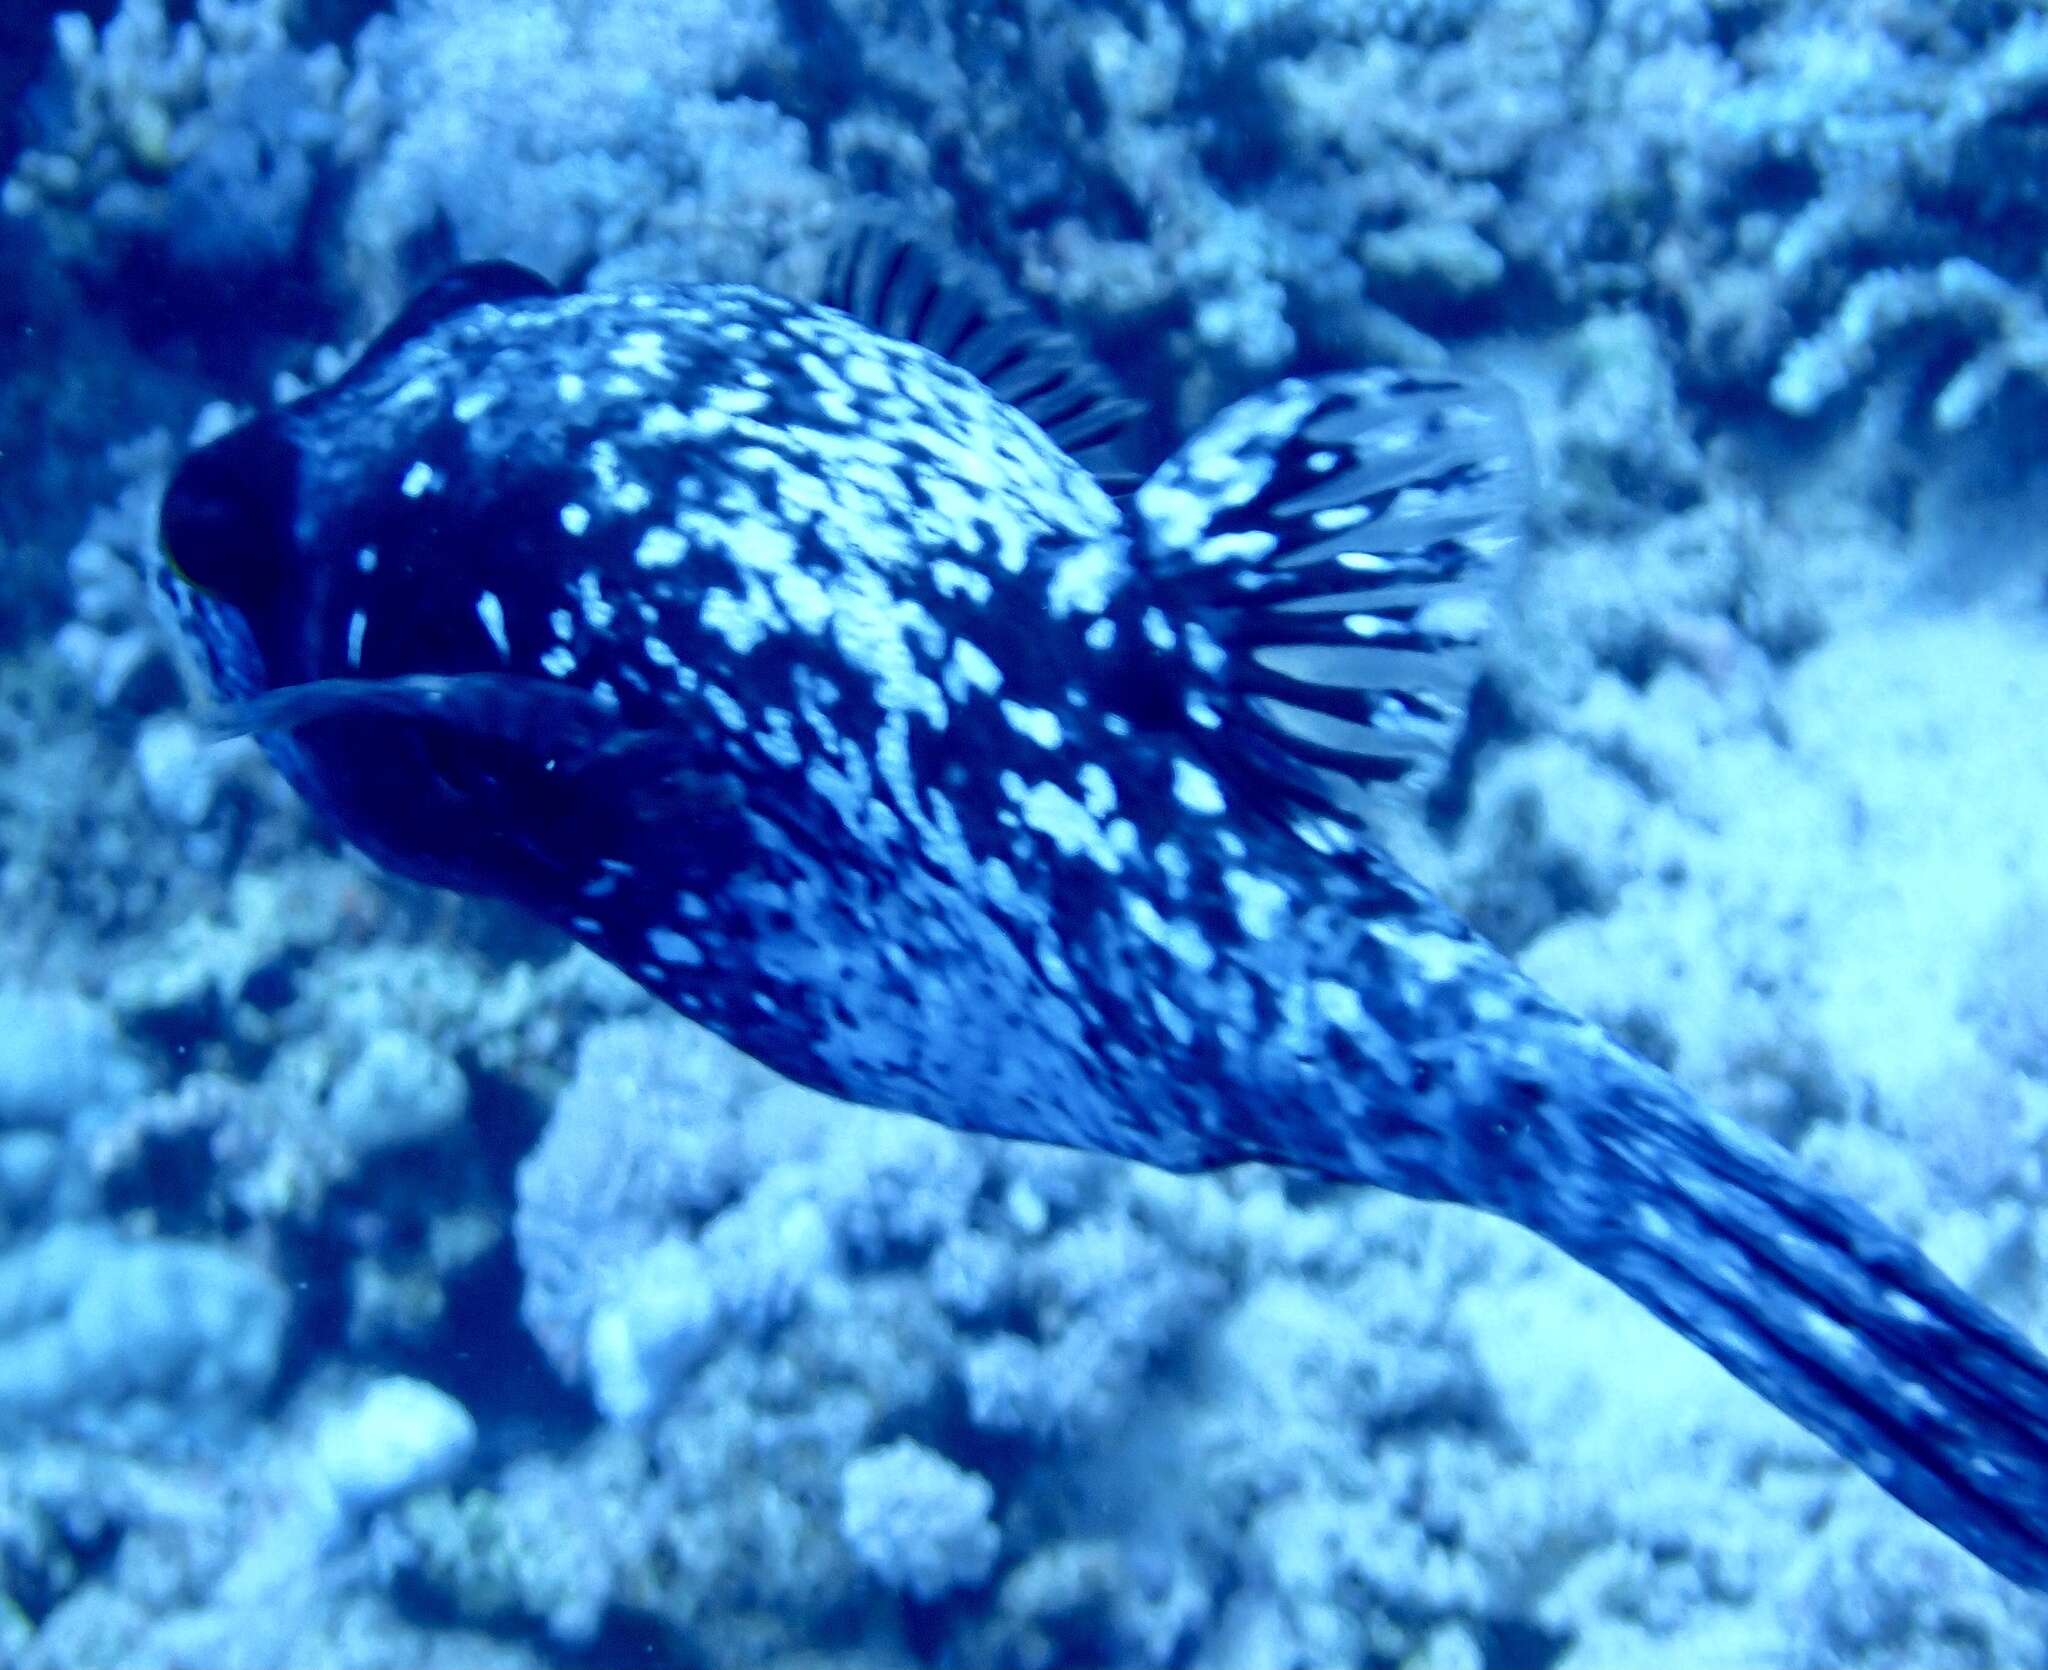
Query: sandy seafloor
383	1283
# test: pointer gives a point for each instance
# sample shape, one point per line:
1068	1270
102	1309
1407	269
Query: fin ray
889	280
1343	539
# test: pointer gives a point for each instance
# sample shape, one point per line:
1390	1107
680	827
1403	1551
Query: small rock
399	1436
400	1090
916	1521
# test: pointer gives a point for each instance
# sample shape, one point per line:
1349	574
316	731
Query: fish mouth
211	640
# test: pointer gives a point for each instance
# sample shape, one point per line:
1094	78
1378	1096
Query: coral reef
117	1341
602	139
203	143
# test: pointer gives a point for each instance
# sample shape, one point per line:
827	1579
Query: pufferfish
818	665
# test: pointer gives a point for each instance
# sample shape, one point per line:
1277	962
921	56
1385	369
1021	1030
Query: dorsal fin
1342	540
455	291
890	280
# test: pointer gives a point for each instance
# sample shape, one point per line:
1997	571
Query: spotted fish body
800	673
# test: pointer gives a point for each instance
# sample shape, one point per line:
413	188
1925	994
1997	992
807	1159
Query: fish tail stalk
1802	1294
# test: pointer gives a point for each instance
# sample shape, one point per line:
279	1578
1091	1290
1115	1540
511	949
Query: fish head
324	562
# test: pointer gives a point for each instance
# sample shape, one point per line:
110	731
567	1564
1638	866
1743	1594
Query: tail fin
1807	1299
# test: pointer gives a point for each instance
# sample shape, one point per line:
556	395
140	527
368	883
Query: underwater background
384	1282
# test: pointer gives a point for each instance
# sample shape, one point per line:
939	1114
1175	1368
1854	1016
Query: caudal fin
1812	1302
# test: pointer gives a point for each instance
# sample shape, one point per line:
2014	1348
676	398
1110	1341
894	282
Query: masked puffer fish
793	657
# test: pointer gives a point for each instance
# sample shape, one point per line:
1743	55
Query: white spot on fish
569	388
660	548
1183	940
778	738
1174	1018
596	610
419	479
1055	967
473	405
738	402
575	520
957	580
1010	538
1173	863
1100	636
366	559
1261	904
1196	789
563	624
1057	815
672	947
357	624
730	713
807	602
1175	516
970	668
1208	655
1246	545
1082	582
641	351
664	423
1036	723
1098	791
1437	958
864	371
1341	1006
492	613
414	390
607	467
560	662
760	545
880	633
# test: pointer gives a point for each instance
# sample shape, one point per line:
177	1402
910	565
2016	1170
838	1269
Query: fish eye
225	523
